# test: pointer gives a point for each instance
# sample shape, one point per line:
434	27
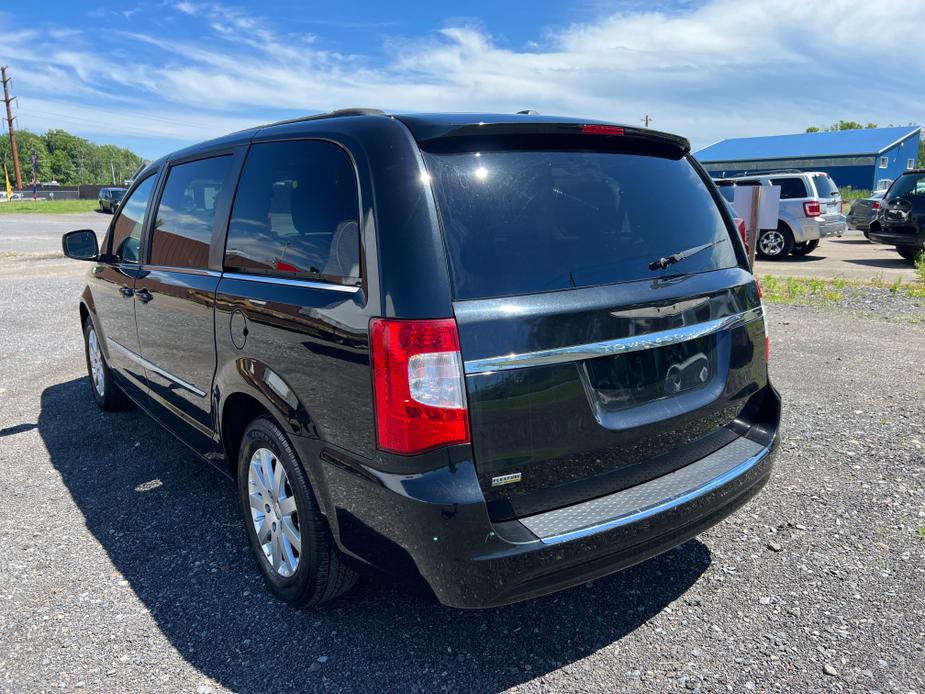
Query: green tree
840	125
68	159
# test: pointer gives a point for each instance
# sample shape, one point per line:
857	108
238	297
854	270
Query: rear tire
106	394
295	551
774	244
806	247
909	252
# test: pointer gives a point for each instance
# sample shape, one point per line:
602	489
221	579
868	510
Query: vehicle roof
422	125
866	141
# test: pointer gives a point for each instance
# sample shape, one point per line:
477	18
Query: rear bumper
833	227
812	228
435	526
861	223
897	235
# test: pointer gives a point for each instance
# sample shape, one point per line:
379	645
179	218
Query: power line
9	121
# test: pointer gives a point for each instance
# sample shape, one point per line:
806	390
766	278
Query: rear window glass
790	187
825	186
910	184
522	222
296	213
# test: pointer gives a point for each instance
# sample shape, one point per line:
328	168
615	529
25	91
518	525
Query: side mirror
80	245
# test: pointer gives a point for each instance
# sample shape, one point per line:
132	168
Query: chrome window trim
138	359
662	506
623	345
310	284
181	270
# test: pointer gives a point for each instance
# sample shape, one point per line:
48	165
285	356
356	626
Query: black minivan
495	355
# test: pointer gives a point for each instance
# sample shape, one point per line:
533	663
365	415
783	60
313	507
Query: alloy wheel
771	242
95	357
273	512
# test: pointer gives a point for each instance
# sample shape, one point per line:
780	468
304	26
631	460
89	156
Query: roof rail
772	172
338	113
528	112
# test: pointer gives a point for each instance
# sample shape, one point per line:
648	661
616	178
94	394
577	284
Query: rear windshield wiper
663	263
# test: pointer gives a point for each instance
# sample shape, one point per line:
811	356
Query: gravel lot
123	565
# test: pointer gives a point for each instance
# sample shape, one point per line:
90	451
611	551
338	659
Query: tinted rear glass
296	212
825	186
790	188
522	222
910	184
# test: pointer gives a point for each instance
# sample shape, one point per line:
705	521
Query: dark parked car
864	211
109	199
901	221
478	352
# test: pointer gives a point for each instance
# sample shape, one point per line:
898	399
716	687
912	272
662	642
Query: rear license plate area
628	380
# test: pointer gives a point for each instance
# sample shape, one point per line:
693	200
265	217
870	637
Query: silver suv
810	210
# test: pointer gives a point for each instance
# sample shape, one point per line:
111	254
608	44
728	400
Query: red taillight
812	208
764	320
601	129
419	392
740	225
875	206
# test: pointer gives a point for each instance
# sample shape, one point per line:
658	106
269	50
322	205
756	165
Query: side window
126	231
186	212
296	212
790	187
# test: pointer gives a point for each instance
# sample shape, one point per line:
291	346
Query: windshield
520	222
910	184
825	186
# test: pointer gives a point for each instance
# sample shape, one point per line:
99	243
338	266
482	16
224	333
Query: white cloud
719	69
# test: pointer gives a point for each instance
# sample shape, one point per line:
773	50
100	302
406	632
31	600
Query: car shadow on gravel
171	528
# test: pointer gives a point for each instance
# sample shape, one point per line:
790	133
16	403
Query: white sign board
768	212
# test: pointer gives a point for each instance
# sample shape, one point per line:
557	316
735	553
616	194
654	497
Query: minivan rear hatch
608	330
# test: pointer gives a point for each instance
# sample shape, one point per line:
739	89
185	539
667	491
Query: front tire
106	394
289	536
774	244
806	247
909	252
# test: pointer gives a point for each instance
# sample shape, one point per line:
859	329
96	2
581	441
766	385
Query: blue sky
155	76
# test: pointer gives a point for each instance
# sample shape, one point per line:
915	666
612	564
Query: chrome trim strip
309	284
607	348
180	270
137	358
662	506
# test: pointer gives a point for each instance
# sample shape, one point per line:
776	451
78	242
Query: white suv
810	210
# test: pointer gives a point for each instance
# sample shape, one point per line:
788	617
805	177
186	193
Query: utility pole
113	170
646	120
9	120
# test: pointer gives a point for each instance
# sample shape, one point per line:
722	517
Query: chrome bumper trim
623	345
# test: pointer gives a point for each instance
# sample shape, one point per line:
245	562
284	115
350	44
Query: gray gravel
123	565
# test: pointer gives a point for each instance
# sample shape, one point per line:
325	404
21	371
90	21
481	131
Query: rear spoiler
561	135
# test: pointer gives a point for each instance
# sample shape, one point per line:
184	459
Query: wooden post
751	230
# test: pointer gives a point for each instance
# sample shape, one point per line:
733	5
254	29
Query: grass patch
785	290
48	206
920	266
791	289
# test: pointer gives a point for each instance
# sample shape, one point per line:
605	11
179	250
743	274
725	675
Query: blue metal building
863	159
